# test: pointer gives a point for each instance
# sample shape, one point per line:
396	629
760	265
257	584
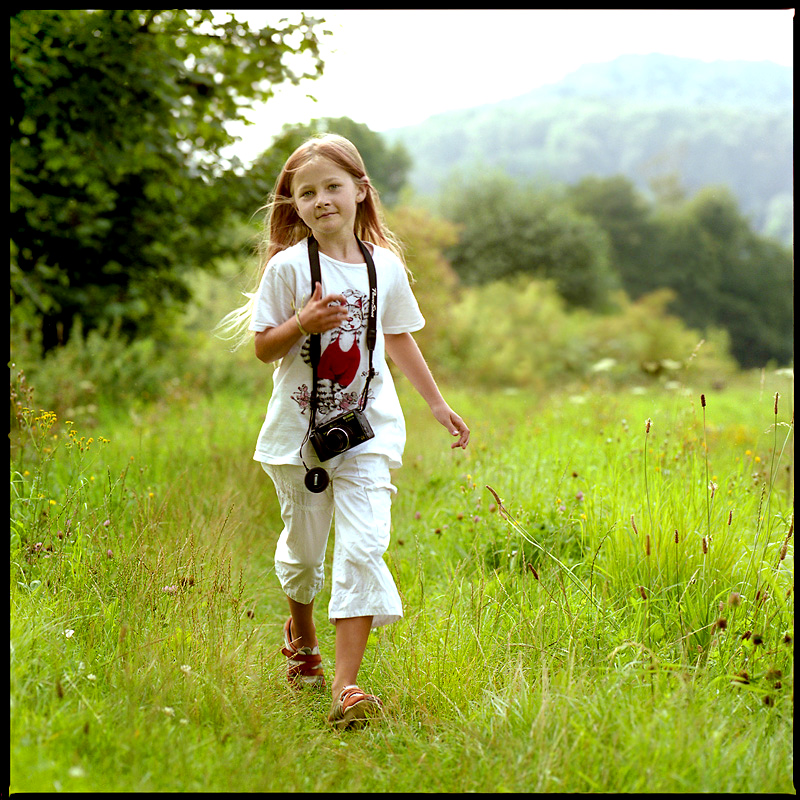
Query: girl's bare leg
304	632
351	642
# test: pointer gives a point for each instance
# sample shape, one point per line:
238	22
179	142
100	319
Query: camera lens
337	439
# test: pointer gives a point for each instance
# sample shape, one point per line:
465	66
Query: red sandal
304	667
353	708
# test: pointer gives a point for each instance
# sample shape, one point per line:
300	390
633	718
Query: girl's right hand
322	314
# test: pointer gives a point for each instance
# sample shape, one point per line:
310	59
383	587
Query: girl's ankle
307	638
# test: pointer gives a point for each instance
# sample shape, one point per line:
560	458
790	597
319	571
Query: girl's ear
361	188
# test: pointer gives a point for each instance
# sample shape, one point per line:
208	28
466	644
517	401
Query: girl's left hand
454	424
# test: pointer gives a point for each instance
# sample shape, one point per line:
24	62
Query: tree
725	275
386	165
507	229
424	238
117	183
621	211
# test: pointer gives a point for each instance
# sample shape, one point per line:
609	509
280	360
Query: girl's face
326	198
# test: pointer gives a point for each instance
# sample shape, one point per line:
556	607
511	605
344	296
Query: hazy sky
390	68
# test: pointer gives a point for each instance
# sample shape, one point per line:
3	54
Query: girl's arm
403	350
319	314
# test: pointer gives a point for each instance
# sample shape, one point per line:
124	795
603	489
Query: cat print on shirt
339	362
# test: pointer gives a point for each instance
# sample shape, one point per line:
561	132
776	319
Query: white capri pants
359	496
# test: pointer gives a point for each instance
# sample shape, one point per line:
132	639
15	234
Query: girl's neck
346	250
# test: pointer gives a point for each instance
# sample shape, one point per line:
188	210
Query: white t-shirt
344	359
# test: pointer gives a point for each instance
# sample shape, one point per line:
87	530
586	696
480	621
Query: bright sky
391	68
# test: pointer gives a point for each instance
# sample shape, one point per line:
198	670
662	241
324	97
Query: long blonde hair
285	229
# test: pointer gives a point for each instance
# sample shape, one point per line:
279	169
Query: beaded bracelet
300	324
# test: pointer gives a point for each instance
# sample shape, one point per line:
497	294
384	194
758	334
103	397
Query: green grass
547	650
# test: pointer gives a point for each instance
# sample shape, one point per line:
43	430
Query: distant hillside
725	122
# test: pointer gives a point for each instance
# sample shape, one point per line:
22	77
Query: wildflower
579	496
170	712
106	523
170	589
91	677
186	669
773	674
76	772
722	623
110	553
69	633
418	515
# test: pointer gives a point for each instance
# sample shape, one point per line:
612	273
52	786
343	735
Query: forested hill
649	118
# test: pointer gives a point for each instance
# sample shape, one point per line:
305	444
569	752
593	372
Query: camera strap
314	347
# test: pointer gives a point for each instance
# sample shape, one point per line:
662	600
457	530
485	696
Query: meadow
598	598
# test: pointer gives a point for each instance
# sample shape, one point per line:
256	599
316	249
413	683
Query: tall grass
616	615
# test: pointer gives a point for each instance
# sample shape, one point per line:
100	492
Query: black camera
340	434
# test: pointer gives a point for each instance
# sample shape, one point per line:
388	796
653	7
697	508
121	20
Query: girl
324	192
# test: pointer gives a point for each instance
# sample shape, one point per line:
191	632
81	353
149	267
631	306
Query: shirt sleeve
275	296
401	312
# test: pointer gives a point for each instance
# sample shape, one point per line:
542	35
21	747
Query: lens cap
317	480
